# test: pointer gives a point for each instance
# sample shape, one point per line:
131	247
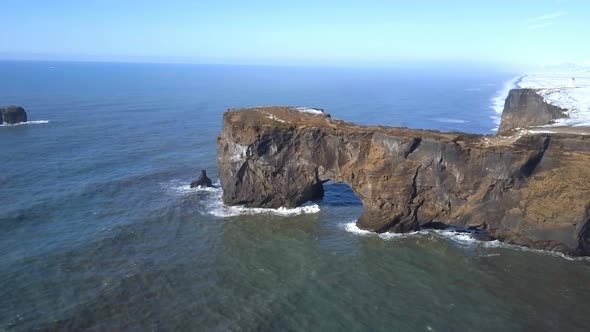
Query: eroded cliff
526	108
531	190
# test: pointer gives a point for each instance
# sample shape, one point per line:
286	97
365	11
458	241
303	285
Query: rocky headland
527	108
12	115
526	185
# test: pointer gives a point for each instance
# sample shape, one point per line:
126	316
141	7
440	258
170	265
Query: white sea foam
351	227
309	110
178	187
214	203
500	98
447	120
25	123
461	238
220	210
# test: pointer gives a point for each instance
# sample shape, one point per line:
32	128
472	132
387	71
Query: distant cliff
525	108
531	190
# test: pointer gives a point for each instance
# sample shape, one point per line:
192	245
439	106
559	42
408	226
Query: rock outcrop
526	108
531	190
12	115
202	181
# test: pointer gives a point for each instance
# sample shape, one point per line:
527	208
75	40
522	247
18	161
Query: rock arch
280	156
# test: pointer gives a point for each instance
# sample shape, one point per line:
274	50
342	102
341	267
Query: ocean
100	231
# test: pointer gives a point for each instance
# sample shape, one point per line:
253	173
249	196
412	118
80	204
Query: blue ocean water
99	230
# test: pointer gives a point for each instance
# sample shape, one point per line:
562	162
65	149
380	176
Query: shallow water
99	230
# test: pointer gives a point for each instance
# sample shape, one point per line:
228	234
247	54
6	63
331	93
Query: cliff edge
527	108
530	189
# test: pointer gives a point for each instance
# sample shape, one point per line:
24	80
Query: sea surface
99	230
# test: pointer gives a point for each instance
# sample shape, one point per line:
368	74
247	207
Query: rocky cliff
12	115
531	190
526	108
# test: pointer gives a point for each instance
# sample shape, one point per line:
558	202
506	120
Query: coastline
499	99
564	87
502	185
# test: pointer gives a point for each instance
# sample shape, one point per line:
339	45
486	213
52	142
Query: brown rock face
532	190
526	108
12	115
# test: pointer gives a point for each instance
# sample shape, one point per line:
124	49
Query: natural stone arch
272	157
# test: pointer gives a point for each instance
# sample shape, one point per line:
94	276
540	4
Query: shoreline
565	88
499	98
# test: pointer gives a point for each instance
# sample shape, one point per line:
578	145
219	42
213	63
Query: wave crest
461	238
25	123
214	204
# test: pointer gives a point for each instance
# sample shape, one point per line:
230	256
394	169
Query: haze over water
99	230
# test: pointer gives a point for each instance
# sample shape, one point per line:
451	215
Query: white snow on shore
565	86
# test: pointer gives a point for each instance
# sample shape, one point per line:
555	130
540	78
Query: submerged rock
202	181
527	189
12	115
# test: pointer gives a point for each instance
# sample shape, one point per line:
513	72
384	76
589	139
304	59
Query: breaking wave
461	238
351	227
25	123
214	206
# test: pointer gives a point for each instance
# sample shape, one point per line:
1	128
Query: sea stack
202	181
522	187
12	115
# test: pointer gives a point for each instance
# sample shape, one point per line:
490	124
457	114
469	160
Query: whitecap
310	110
214	203
178	187
448	120
215	207
466	239
25	123
463	239
218	209
351	227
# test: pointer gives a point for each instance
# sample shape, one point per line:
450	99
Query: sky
356	33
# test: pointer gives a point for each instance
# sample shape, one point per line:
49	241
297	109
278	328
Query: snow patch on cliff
273	117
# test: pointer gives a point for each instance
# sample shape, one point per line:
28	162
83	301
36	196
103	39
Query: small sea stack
202	181
12	115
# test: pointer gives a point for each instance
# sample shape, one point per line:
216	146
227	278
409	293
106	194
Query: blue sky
369	32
